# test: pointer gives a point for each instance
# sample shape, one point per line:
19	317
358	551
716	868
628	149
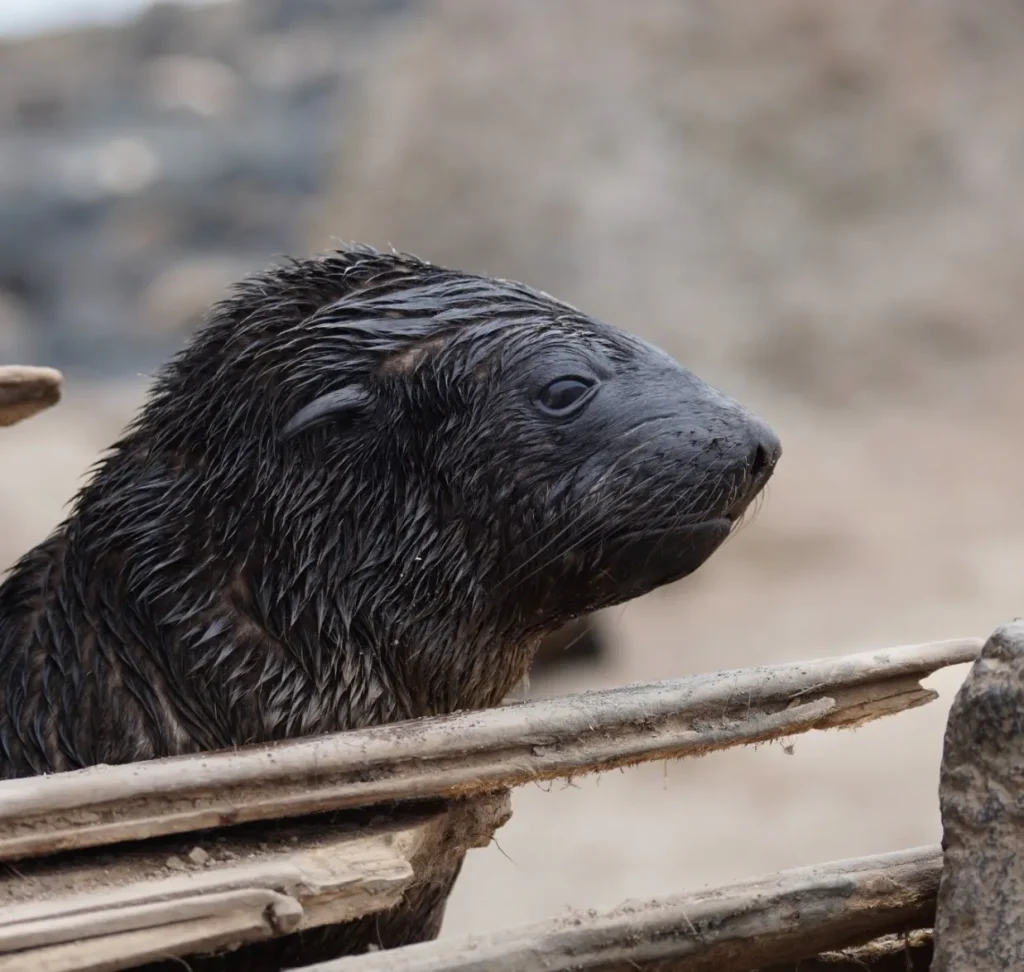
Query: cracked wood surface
103	910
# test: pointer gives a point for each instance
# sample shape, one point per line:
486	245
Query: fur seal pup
364	492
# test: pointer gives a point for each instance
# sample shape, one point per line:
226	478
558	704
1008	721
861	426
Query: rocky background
144	168
817	205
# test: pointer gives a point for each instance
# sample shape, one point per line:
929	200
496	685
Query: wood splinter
97	911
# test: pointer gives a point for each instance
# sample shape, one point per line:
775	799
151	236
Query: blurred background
816	205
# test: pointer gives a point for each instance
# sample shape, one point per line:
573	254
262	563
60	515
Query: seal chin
642	560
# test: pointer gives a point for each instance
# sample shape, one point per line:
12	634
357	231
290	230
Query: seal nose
765	450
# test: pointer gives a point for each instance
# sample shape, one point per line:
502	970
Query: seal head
364	492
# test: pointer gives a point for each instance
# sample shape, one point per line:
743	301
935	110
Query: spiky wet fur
206	593
217	584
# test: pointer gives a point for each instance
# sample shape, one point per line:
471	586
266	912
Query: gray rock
979	925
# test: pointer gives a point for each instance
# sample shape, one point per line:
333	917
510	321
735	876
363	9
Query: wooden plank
129	949
25	390
466	753
261	906
748	925
114	908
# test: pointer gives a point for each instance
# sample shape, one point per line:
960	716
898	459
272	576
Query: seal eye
563	396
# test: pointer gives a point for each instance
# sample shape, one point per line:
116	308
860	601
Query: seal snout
762	455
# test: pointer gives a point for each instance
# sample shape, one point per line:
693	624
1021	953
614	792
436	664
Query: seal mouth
738	509
736	512
693	542
646	559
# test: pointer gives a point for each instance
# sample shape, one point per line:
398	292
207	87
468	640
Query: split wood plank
465	753
128	950
26	390
100	911
781	918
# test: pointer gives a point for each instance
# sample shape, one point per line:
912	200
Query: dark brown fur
363	493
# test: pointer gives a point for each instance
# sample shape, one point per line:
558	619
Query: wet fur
336	510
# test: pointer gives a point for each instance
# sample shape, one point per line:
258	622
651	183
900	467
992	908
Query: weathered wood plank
26	390
127	950
465	753
114	908
748	925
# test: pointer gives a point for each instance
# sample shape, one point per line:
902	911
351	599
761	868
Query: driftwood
980	922
785	917
25	390
467	753
103	911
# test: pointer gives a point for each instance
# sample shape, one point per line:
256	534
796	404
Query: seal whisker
567	531
577	505
615	467
582	539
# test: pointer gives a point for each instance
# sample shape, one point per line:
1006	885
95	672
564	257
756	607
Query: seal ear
326	408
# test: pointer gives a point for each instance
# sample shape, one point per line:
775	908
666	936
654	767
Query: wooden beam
748	925
466	753
114	909
25	390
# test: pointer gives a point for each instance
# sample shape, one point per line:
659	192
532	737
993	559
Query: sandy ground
878	529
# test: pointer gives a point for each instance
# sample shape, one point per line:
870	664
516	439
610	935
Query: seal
364	492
